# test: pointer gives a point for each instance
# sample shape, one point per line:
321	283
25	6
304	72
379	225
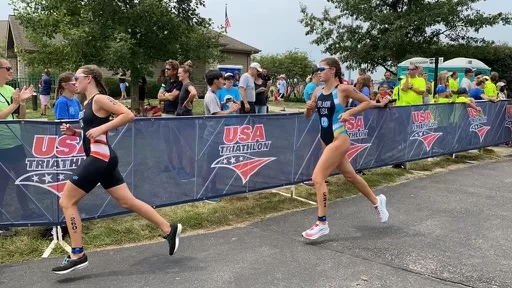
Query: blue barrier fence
225	155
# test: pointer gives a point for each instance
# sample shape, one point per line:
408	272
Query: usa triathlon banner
169	161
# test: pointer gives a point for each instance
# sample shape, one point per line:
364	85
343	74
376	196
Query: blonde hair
187	68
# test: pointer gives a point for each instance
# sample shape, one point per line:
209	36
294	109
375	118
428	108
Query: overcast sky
273	27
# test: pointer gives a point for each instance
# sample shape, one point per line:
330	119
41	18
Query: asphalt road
448	230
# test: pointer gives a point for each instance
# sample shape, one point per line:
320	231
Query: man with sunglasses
412	88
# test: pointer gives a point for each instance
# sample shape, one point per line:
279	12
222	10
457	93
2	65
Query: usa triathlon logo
356	130
53	159
423	127
508	118
239	142
477	120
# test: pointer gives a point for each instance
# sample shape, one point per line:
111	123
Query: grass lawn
31	114
289	105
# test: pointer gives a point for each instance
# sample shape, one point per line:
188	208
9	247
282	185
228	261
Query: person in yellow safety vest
454	84
412	88
490	89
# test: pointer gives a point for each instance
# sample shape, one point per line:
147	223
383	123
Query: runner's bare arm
112	106
353	93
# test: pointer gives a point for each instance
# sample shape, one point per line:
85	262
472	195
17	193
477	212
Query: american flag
227	24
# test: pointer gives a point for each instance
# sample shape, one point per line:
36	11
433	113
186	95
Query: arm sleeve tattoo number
112	100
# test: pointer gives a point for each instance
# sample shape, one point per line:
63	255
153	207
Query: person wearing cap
248	89
466	82
229	94
502	92
490	89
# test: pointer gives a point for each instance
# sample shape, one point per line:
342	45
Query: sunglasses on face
76	77
412	69
323	68
168	69
8	68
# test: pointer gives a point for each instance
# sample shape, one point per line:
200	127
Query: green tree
296	65
130	34
386	32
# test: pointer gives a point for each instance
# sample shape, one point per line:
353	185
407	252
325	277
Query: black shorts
93	171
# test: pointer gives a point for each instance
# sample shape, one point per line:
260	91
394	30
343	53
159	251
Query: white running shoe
316	231
382	212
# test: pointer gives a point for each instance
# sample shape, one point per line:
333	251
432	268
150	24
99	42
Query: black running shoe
173	238
69	264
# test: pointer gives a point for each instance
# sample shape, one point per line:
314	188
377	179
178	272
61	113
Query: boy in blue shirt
229	94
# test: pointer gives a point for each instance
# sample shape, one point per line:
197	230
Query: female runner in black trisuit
100	166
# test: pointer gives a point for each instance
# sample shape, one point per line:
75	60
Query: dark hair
480	82
47	72
187	68
213	75
63	78
95	72
494	76
333	62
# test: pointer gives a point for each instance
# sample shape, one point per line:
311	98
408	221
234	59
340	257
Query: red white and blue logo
239	141
424	126
53	159
478	121
356	129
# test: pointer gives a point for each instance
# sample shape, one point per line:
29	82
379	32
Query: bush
152	89
295	97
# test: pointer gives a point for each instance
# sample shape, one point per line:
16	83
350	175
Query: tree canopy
386	32
294	64
129	34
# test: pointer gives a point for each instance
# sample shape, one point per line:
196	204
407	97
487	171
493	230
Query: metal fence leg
57	239
292	194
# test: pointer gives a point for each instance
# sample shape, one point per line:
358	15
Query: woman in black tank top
188	92
100	167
